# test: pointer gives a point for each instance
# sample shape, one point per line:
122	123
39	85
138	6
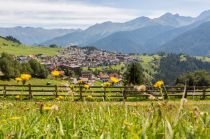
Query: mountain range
34	36
167	33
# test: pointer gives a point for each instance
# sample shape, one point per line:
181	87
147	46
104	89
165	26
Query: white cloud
83	13
54	14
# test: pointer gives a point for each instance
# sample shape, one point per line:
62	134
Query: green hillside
20	49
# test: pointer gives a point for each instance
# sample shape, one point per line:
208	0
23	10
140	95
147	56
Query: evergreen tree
134	74
10	38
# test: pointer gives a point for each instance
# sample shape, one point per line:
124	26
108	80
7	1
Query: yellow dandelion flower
60	98
106	84
53	107
18	79
25	77
114	80
55	73
46	108
87	86
159	84
17	97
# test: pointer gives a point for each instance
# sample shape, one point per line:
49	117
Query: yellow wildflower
53	107
87	86
114	80
60	98
106	84
159	84
17	97
55	73
46	108
25	77
80	82
18	79
14	118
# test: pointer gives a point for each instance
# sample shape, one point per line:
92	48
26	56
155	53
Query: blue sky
83	13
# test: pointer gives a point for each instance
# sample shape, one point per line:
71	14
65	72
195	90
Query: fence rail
124	92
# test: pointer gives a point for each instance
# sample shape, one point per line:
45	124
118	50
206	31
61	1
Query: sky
84	13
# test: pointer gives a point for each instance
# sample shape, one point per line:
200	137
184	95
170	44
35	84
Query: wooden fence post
104	93
124	93
165	93
204	94
30	91
185	95
5	91
56	91
80	92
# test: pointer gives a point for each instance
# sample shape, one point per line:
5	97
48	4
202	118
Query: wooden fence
31	91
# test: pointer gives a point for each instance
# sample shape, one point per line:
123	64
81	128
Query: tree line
172	66
174	69
12	68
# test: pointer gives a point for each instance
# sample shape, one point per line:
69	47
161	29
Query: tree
26	68
173	65
134	74
53	46
67	71
10	38
38	70
9	66
197	78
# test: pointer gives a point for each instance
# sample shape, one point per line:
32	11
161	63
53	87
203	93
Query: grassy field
17	49
66	119
35	81
150	63
203	58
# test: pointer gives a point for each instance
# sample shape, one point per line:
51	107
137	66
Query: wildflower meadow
63	117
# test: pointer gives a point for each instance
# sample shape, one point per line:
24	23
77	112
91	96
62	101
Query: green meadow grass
20	49
101	68
203	58
35	81
66	119
148	65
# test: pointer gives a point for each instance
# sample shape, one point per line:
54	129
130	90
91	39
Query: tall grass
104	120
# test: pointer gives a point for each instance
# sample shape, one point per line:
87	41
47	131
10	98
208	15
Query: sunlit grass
16	49
104	120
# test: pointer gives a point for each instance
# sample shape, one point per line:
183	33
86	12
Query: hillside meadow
21	49
66	119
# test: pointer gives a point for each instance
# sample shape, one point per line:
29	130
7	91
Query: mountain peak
169	15
138	20
142	18
204	15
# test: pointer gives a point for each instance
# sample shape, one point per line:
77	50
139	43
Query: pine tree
134	74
